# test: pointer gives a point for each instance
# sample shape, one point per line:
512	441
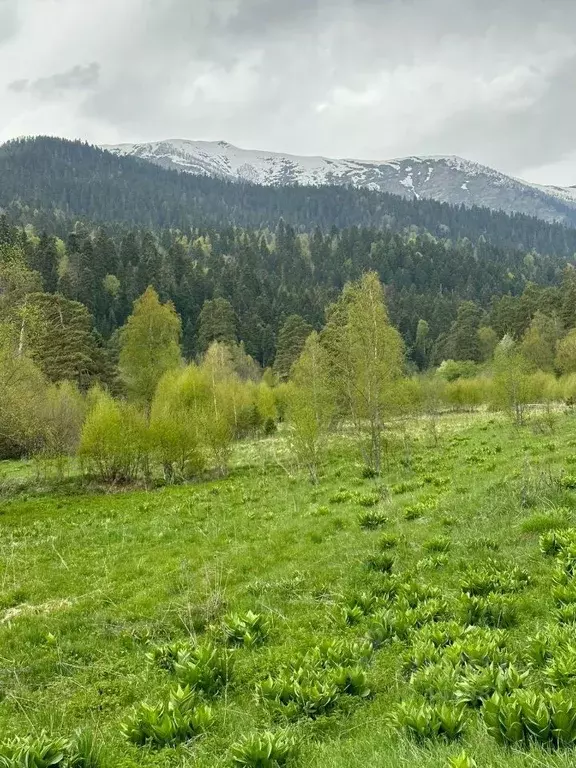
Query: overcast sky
491	80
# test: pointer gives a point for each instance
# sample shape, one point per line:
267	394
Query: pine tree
217	322
291	340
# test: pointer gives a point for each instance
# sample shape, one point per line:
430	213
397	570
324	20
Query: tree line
262	287
163	416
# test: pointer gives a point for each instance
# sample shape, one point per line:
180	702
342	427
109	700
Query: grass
90	582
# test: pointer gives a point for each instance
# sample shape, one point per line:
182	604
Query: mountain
445	179
49	183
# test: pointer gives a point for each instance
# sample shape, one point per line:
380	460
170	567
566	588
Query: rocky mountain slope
446	179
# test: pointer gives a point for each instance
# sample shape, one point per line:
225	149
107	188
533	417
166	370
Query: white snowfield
445	178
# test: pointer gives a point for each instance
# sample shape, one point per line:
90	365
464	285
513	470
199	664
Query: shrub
248	629
179	719
263	750
114	444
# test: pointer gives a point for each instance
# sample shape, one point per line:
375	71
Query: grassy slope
87	581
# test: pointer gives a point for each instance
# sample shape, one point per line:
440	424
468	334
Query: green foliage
115	442
149	346
491	577
492	610
387	541
462	760
314	684
438	544
248	629
380	562
181	718
204	668
263	750
530	716
310	405
217	322
292	338
431	721
42	751
372	519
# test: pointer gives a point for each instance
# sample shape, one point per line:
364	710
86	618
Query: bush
115	442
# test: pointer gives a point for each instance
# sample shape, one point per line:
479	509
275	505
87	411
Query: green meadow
357	622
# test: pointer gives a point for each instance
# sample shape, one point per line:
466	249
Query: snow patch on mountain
446	178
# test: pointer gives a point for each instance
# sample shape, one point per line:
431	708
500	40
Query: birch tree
366	357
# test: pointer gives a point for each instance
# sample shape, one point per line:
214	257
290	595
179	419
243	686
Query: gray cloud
490	79
77	78
9	22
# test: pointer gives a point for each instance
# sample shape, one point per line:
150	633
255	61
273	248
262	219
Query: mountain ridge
444	178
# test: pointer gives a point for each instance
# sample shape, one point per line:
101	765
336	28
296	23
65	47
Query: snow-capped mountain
443	178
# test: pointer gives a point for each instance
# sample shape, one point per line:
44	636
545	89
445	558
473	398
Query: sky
490	80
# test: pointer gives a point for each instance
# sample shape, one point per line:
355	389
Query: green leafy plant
463	760
205	668
179	719
248	629
165	656
387	541
42	751
430	721
493	578
263	750
381	562
368	499
371	519
491	611
438	544
526	716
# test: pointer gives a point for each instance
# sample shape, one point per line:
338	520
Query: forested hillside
42	176
235	284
